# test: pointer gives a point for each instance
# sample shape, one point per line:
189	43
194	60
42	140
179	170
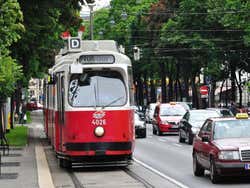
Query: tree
44	22
10	30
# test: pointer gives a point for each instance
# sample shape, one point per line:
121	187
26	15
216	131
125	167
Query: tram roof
91	47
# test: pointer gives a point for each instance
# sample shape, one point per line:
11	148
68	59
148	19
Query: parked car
222	147
150	112
224	112
167	117
34	105
140	111
191	123
140	126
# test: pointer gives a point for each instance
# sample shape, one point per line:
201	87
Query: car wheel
159	133
190	138
197	168
154	131
214	176
144	133
181	140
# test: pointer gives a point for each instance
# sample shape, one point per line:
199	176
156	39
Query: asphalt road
173	159
163	162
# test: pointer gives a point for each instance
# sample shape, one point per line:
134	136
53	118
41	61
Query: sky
99	4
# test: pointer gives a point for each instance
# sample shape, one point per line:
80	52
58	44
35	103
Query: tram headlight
99	131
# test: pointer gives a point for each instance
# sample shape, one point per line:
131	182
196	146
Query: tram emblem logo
98	114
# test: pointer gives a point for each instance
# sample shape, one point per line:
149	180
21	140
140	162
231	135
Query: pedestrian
233	108
22	113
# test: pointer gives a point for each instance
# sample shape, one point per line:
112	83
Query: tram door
60	106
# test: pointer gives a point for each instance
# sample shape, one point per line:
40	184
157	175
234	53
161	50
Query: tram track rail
77	183
138	178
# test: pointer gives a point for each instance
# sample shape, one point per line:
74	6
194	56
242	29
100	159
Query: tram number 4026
99	122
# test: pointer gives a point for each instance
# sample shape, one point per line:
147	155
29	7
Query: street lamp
101	33
124	15
91	4
112	21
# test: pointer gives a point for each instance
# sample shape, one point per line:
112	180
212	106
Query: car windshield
201	116
232	129
97	88
137	117
172	110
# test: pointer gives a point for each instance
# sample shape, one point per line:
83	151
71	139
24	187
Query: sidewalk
19	168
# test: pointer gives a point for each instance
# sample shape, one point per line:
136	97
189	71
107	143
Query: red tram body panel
88	117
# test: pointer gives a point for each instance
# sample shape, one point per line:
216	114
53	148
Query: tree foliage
44	22
10	30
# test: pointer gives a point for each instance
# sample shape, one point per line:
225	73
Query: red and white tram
87	109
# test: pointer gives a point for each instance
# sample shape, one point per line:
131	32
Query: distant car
191	123
167	117
224	112
222	147
34	105
139	110
150	112
140	126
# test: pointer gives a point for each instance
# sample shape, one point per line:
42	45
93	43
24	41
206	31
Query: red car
33	105
167	117
222	146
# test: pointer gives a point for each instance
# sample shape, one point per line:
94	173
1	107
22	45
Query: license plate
247	166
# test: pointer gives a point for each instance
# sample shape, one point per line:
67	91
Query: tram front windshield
97	89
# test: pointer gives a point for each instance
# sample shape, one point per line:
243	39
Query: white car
140	126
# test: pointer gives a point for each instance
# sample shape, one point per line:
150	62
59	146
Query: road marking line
44	175
161	140
179	145
181	185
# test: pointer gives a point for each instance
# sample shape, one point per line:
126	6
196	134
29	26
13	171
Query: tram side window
97	88
60	98
131	86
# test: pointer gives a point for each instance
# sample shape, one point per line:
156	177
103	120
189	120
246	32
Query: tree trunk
194	94
233	84
221	87
152	92
212	91
186	89
145	88
163	83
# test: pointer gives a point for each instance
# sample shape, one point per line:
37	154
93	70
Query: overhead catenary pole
91	7
91	17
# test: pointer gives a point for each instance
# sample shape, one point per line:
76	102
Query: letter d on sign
75	43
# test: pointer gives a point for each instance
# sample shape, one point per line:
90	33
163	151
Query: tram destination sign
96	59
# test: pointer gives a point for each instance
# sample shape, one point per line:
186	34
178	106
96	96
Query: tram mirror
84	80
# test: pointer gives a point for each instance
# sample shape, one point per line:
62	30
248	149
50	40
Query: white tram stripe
181	185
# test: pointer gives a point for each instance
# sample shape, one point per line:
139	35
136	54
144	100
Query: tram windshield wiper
112	102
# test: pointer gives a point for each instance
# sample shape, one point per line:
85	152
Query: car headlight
164	122
229	155
195	130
